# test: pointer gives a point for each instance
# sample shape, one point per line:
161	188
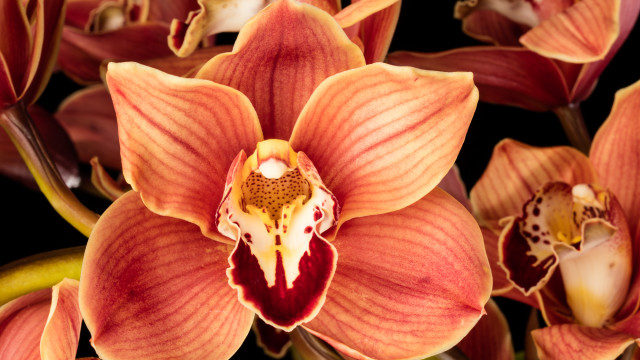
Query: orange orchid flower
546	56
338	230
562	210
369	23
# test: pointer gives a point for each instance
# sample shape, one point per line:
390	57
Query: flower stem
19	126
574	127
39	271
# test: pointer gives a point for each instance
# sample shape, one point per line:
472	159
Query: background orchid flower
591	307
369	23
218	249
545	56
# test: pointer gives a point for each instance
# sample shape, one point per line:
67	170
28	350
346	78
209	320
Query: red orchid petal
21	324
490	26
382	137
90	120
186	66
504	75
403	287
582	33
516	170
359	10
452	184
329	6
8	94
165	11
572	341
16	47
62	331
490	338
153	287
377	32
275	342
103	182
130	43
178	137
79	12
309	46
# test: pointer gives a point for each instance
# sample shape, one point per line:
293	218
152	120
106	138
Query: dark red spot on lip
536	211
278	242
539	200
535	227
317	215
247	237
308	229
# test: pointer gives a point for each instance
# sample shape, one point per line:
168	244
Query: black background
29	225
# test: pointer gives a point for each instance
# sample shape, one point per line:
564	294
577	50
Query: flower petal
616	151
361	9
15	45
280	57
490	26
382	137
21	324
177	139
154	287
516	170
275	342
62	331
90	120
504	75
377	32
103	182
453	185
582	33
185	66
8	94
403	288
490	338
572	341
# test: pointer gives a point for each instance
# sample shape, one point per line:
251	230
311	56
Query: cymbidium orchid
569	234
302	192
547	55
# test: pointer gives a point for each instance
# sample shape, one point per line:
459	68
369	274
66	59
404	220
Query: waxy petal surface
359	10
516	170
62	331
490	338
311	46
377	32
186	66
8	94
177	139
15	45
492	27
408	284
504	75
571	341
582	33
382	137
275	342
154	287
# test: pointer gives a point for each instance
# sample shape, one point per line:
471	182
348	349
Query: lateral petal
516	170
504	75
584	32
21	324
278	67
572	341
492	27
16	45
419	291
377	32
490	338
142	269
361	9
62	330
382	137
178	137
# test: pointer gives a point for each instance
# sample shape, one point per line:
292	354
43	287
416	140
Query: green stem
39	271
574	127
19	126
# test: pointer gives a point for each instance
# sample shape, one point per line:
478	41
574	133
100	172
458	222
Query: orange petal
377	32
90	120
382	137
572	341
492	27
616	151
154	285
490	338
185	66
359	10
516	170
452	184
280	57
504	75
103	182
178	137
62	331
16	45
409	284
329	6
582	33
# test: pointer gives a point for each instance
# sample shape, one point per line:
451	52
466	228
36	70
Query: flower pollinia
272	186
561	235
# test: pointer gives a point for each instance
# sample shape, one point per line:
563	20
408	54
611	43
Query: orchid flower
338	230
369	23
546	55
562	210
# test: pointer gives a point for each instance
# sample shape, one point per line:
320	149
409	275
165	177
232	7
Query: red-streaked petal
154	287
490	338
62	331
166	11
582	33
103	182
572	341
504	75
279	305
329	6
80	12
178	137
615	152
377	32
490	26
280	57
275	342
186	66
516	170
382	137
359	10
90	120
130	43
8	94
16	43
21	324
408	284
452	184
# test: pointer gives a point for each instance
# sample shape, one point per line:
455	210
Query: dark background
31	226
